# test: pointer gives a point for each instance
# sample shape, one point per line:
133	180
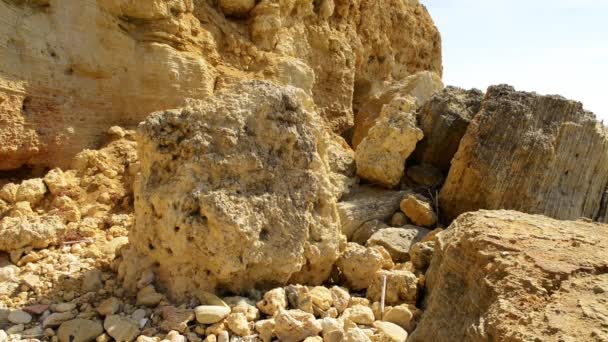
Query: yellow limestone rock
236	192
518	277
382	153
66	78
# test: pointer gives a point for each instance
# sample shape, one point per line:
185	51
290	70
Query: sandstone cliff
71	69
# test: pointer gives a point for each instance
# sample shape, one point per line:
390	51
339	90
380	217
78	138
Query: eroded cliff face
72	69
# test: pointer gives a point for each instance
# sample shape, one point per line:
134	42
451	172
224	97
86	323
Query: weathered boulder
418	209
504	275
66	78
369	228
33	231
236	192
367	203
444	120
418	88
523	151
381	154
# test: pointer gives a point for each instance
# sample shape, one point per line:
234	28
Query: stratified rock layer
235	194
532	153
444	120
509	276
71	69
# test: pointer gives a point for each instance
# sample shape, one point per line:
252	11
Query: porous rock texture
71	69
509	276
532	153
236	191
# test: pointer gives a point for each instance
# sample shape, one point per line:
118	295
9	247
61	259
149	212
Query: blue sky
547	46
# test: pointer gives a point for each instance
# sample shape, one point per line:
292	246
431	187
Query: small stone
358	301
243	305
299	297
333	329
121	328
265	329
401	287
273	301
400	315
57	318
15	329
418	210
19	317
31	190
237	323
174	336
390	332
399	219
109	306
313	339
175	319
4	336
340	297
149	297
79	330
36	309
213	338
223	337
143	338
295	325
103	338
421	254
363	233
63	307
356	335
91	281
398	241
210	314
34	332
139	314
359	264
359	314
321	297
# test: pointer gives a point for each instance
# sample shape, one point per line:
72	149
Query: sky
547	46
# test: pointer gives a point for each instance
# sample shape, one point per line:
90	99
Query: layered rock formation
504	275
236	191
72	69
537	154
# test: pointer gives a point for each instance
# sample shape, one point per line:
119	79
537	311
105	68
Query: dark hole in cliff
150	246
264	234
169	251
566	173
190	239
69	71
176	229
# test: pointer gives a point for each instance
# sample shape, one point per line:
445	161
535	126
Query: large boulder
523	151
444	120
66	78
509	276
235	194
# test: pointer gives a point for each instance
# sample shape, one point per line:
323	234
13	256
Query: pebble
359	314
390	332
237	323
57	318
149	297
210	314
121	328
109	306
79	330
37	309
19	317
15	329
63	307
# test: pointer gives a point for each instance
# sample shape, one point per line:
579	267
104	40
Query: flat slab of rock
398	241
504	275
532	153
121	328
79	330
367	203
